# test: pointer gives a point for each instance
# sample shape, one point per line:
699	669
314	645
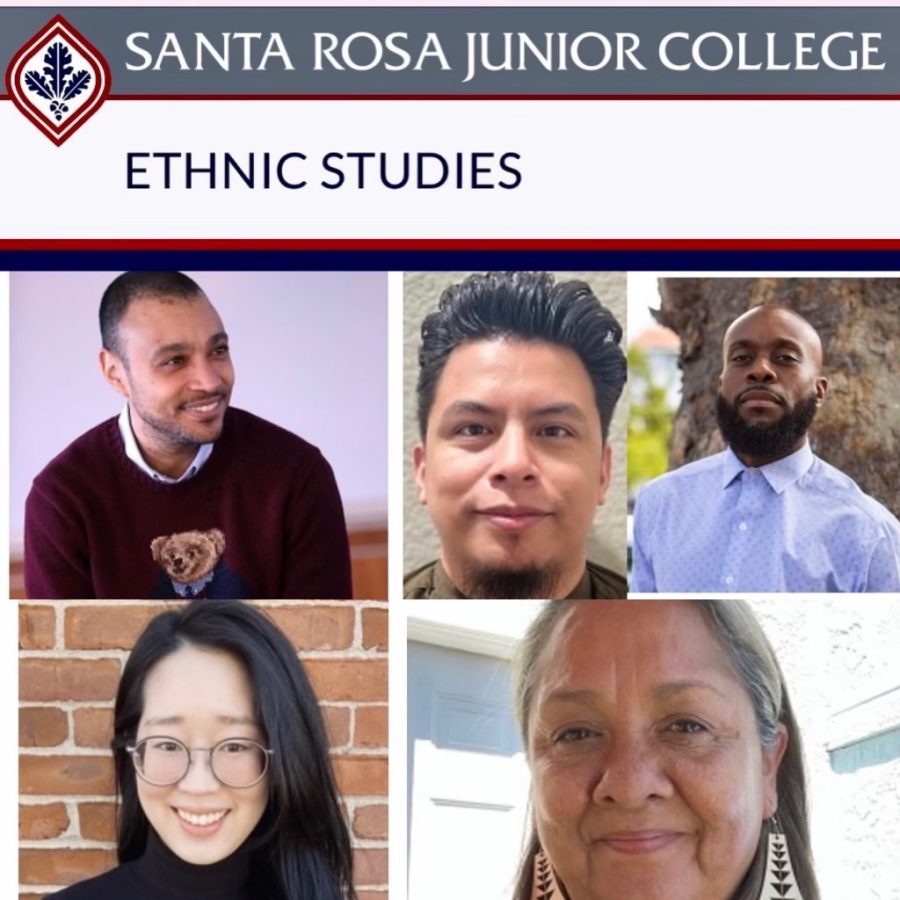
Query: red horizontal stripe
438	244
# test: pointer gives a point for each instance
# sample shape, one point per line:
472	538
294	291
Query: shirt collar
194	588
780	474
133	452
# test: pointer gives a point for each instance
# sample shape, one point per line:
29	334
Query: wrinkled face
176	371
771	362
200	697
513	465
649	780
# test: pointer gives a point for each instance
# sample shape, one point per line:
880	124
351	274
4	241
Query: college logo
58	80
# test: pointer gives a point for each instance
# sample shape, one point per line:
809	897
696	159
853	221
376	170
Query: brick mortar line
351	727
64	844
67	705
355	802
363	752
59	632
65	749
357	629
353	704
96	653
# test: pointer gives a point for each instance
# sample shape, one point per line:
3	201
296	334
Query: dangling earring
545	884
779	882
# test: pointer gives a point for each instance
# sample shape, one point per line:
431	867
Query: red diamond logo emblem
58	80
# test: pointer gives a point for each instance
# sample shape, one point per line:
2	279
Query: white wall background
837	654
309	350
421	290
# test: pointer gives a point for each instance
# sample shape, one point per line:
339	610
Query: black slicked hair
526	306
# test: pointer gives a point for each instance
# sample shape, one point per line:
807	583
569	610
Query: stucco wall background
837	654
421	290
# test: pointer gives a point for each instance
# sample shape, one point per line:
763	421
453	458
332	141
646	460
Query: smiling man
518	379
766	514
181	495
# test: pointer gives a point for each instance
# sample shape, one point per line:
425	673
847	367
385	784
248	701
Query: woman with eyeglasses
226	790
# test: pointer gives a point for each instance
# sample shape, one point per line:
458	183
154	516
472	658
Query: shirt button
729	579
743	526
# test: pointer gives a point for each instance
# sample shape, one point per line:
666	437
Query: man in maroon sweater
180	495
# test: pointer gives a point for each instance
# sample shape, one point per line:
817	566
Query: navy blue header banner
352	258
503	52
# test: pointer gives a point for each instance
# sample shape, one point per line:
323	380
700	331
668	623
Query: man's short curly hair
525	306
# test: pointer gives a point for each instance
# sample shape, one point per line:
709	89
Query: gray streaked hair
733	625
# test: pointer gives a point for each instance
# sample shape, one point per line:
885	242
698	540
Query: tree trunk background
858	319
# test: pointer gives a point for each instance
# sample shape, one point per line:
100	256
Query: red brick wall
71	655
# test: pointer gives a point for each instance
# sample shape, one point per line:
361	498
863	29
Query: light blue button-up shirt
797	524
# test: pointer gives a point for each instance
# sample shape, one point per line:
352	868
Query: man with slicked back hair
518	379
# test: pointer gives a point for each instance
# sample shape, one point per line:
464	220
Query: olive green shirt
431	582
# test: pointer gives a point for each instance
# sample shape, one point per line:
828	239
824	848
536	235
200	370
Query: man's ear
821	389
771	763
605	474
113	369
418	459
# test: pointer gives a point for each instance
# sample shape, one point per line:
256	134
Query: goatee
765	440
489	583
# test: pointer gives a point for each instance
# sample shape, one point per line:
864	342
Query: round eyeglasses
235	762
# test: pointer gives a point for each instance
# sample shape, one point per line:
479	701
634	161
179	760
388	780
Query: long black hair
301	846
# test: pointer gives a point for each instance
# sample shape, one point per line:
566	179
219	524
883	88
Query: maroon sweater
261	519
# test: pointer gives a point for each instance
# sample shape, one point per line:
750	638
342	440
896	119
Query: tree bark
858	428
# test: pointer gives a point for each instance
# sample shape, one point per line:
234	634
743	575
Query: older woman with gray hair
666	762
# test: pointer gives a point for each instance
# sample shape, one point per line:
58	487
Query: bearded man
181	494
766	514
518	378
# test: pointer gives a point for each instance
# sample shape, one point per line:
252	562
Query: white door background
468	782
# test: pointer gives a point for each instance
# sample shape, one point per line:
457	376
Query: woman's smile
199	818
650	779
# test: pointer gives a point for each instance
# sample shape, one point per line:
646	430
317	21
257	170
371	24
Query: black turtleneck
160	875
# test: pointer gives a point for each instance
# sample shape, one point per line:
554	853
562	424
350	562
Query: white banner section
463	169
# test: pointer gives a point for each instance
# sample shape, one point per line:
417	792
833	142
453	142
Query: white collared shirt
133	452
